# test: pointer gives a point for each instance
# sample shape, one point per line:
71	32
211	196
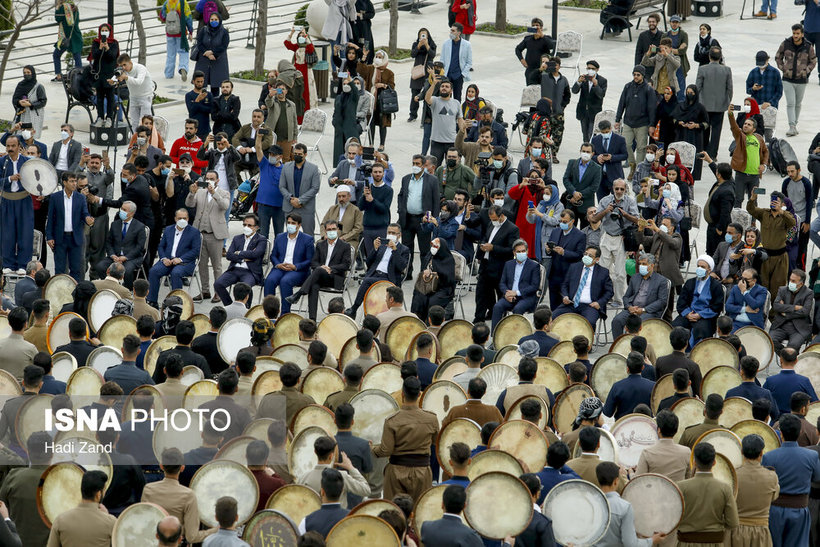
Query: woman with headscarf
350	63
668	203
527	193
261	334
465	11
363	26
664	115
750	110
69	36
212	43
752	254
29	100
691	123
546	217
704	44
539	123
377	77
472	103
365	106
440	262
345	108
293	79
82	298
445	226
301	48
673	174
423	52
673	158
338	29
103	57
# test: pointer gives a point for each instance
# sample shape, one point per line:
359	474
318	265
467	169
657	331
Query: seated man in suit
65	227
541	320
450	529
565	247
493	252
113	281
245	256
78	345
587	288
178	251
331	263
125	244
792	313
291	257
27	282
747	300
348	215
610	153
520	281
700	302
646	295
388	261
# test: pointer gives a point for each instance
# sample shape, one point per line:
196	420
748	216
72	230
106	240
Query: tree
261	38
135	12
23	13
500	15
394	28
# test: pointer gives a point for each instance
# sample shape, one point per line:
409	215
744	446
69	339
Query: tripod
113	129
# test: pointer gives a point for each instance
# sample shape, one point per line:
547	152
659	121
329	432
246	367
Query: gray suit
657	296
75	152
715	84
210	221
308	189
791	327
720	256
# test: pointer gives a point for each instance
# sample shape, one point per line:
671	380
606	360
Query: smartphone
86	150
299	28
26	125
530	205
654	182
367	45
264	131
428	215
737	107
343	75
202	183
532	30
179	172
105	153
760	191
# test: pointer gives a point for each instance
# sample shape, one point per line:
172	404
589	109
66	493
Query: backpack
172	22
79	85
388	101
209	8
781	153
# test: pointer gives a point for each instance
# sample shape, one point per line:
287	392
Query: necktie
577	300
124	229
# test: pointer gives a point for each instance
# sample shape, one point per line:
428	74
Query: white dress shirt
177	238
244	264
67	203
384	264
495	231
586	294
15	185
290	248
222	172
330	247
62	159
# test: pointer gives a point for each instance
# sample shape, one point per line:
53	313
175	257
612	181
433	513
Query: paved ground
500	78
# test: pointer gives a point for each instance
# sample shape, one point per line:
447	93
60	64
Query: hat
640	69
185	156
676	18
262	325
761	57
245	187
708	259
590	408
594	63
343	188
529	348
123	307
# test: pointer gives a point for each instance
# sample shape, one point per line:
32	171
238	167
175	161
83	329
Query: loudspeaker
707	8
107	136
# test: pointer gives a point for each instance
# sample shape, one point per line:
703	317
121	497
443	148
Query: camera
119	71
368	159
93	190
202	183
483	159
550	245
264	131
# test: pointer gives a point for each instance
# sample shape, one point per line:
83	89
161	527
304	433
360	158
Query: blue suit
68	246
286	280
573	243
626	394
781	386
545	342
187	250
252	257
528	285
796	469
612	169
753	392
754	298
52	386
600	291
17	217
551	477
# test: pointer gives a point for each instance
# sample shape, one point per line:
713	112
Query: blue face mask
667	194
124	180
587	260
497	164
123	215
564	226
214	24
164	170
521	257
643	269
700	272
728	238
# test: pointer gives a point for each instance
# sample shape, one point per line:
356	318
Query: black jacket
139	191
188	358
339	261
133	246
226	115
231	157
395	266
645	40
637	104
492	263
720	202
429	198
590	101
205	346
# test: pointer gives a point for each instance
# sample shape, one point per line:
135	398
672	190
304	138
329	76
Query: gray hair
431	159
31	267
116	270
130	205
520	242
648	257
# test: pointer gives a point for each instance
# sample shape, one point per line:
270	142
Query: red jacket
463	16
181	146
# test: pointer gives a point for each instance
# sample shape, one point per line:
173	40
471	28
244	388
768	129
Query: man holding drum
89	523
16	210
621	529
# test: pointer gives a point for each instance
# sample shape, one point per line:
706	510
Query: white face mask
433	250
346	88
104	34
391	237
416	169
670	159
186	168
496	223
182	224
379	61
64	134
650	158
591	73
664	229
499	202
585	156
292	228
747	108
26	134
247	230
536	152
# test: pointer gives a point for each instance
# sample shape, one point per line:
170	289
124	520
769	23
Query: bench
639	9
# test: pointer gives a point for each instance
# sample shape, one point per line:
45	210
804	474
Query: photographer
140	88
497	172
97	169
142	147
377	197
212	202
445	226
245	142
528	193
176	189
222	159
454	175
347	173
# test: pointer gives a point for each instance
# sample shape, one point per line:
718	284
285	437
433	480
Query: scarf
184	17
68	12
554	197
24	87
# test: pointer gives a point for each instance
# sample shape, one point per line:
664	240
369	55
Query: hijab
110	39
543	107
384	56
683	172
24	87
554	197
82	297
689	110
471	107
444	264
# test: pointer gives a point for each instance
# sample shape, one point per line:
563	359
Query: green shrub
510	28
301	18
249	75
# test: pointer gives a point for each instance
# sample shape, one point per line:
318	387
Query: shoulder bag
427	287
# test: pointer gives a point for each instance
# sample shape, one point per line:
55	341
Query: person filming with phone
749	158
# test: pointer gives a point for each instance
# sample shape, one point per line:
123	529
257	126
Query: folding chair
311	132
570	42
462	282
541	291
530	96
161	126
266	267
12	278
348	279
694	232
141	269
686	152
769	122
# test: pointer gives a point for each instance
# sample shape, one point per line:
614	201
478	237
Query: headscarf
543	107
386	59
262	332
361	85
171	313
68	13
554	197
110	39
24	87
590	408
683	172
529	348
288	73
82	297
444	265
123	307
471	108
211	29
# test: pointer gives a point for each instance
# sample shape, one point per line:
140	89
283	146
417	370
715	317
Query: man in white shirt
177	254
66	153
67	211
245	254
291	258
475	356
140	88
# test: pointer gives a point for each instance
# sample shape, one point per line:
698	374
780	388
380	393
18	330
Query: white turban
343	188
708	259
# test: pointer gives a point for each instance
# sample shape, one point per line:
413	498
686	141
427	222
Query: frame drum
450	368
291	353
367	529
569	325
498	377
383	376
412	354
5	328
187	303
755	427
185	441
38	177
607	452
713	352
334	330
579	512
489	492
159	345
608	369
84	381
136	525
724	471
814	411
375	299
350	352
808	364
314	415
321	382
658	503
689	412
372	407
233	335
234	449
460	430
85	452
265	363
657	331
115	329
31	417
633	434
198	393
757	342
159	401
224	478
566	406
374	507
301	457
256	312
664	387
401	332
295	500
510	330
440	397
452	336
428	506
9	386
287	330
271	528
523	440
514	412
100	308
58	291
191	374
265	383
736	409
488	461
59	490
103	358
550	374
58	330
508	355
202	323
622	344
719	380
724	442
562	353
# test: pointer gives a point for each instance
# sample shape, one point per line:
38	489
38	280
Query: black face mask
28	77
452	163
298	158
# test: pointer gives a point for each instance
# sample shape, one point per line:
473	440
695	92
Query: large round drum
567	404
719	380
656	332
103	358
159	345
808	364
375	507
295	500
287	330
608	369
59	490
514	412
724	471
350	351
221	478
757	342
489	461
450	368
735	409
233	335
412	353
235	449
185	440
508	355
664	388
191	374
657	501
314	415
622	345
724	442
59	291
58	330
265	383
579	512
198	393
633	434
31	417
334	330
569	325
5	328
375	299
159	401
83	451
428	506
510	330
265	363
136	525
62	365
460	430
84	381
38	177
269	528
498	377
100	307
489	492
714	352
202	323
187	303
523	440
607	452
9	386
453	336
383	376
291	353
401	332
115	329
301	457
362	530
321	382
689	412
756	427
562	353
372	407
551	374
256	312
441	396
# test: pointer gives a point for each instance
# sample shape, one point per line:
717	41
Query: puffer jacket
796	62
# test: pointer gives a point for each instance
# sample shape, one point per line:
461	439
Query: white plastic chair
570	42
312	130
608	115
686	152
161	126
266	267
769	122
462	282
694	232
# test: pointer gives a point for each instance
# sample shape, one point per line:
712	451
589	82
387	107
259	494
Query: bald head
169	532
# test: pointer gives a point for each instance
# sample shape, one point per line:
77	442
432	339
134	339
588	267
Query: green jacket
460	178
70	33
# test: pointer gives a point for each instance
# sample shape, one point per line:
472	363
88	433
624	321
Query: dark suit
611	169
538	532
545	342
705	326
718	211
205	346
80	349
8	534
626	394
657	296
236	255
75	152
128	376
24	285
411	222
675	360
590	102
791	327
719	256
68	246
449	531
138	191
187	250
574	244
339	264
487	291
132	247
189	357
286	280
586	186
528	285
395	270
600	291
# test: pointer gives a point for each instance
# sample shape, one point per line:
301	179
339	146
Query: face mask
186	168
64	134
26	134
164	170
452	36
587	260
444	216
332	234
650	158
690	97
291	228
452	163
247	230
124	180
182	224
536	152
674	30
667	193
585	156
700	272
499	202
393	238
104	34
664	229
670	159
28	77
141	141
358	86
498	164
521	257
379	62
747	108
351	161
123	215
496	223
300	40
298	158
643	269
591	73
728	238
214	24
346	88
792	286
433	250
563	225
415	169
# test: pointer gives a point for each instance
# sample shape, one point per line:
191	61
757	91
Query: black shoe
350	313
294	298
409	276
202	296
412	119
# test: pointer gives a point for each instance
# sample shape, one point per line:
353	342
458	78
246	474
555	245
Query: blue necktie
124	229
577	300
